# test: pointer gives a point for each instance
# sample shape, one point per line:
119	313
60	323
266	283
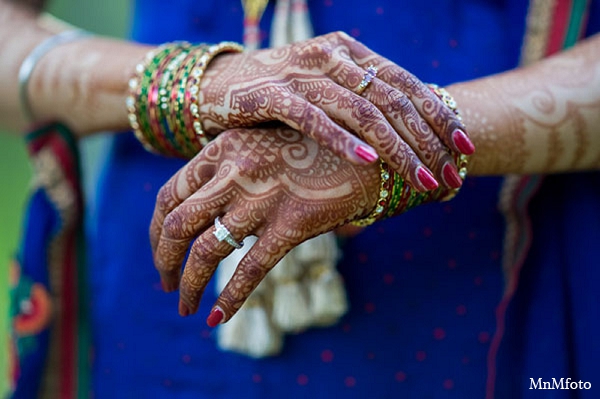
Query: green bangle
137	101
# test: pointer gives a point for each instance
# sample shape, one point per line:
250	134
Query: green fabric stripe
83	326
578	11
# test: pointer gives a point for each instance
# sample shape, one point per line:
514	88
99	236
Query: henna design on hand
274	183
311	86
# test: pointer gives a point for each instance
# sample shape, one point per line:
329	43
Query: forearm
83	84
541	119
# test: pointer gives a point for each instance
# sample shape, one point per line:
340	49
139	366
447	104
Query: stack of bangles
163	102
396	196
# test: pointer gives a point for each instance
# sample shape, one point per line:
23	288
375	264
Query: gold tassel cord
254	9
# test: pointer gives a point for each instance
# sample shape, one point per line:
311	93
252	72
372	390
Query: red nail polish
215	317
462	142
426	179
451	176
366	153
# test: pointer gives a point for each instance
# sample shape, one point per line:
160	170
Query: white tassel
281	24
300	27
291	23
327	294
291	309
250	332
322	248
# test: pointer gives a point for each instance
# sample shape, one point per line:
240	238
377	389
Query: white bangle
34	56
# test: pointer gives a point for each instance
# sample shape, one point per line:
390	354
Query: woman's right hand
276	184
313	87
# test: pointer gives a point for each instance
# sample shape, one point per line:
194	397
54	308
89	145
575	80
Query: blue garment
423	287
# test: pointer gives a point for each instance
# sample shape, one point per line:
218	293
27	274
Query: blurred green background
106	17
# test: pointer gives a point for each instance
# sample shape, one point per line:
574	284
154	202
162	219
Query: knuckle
396	100
365	110
173	225
163	198
189	292
154	233
203	254
404	105
312	121
412	84
343	36
324	48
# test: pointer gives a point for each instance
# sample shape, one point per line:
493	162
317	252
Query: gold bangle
385	184
461	160
197	73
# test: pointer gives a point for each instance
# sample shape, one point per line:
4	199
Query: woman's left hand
276	184
319	87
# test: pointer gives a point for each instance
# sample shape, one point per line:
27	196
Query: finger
269	249
180	227
187	222
403	119
178	188
415	131
441	118
205	255
299	114
365	118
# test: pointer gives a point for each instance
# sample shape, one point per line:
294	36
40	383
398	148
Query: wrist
84	84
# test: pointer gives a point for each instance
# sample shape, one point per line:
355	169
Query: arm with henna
544	118
284	188
82	84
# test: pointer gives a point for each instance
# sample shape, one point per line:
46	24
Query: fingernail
184	311
366	153
451	176
462	142
426	179
215	317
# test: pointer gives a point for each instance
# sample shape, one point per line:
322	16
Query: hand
312	87
276	184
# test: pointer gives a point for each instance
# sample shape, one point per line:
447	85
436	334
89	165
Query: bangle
177	117
32	59
197	73
164	82
386	183
396	196
163	105
141	100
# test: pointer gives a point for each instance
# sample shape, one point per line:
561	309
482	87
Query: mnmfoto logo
563	383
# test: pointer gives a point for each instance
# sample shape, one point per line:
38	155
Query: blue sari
424	288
